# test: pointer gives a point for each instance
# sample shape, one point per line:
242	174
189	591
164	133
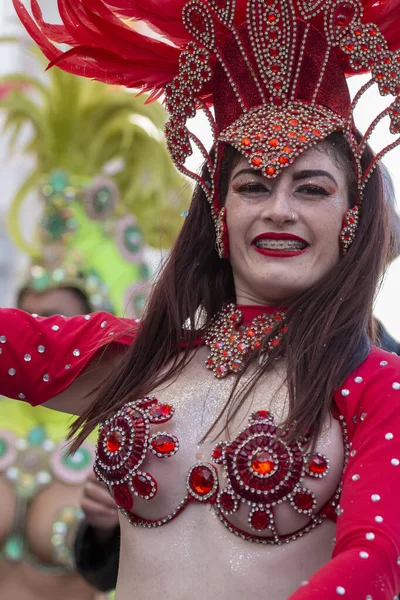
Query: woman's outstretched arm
56	361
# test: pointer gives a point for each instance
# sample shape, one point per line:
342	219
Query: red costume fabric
35	355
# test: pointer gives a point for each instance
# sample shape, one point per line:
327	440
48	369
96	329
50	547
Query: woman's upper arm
365	561
57	361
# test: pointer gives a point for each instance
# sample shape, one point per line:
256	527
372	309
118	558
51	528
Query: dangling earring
221	231
349	228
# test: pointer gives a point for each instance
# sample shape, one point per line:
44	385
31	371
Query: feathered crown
103	180
274	70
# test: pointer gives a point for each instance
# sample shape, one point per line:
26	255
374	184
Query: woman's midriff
196	557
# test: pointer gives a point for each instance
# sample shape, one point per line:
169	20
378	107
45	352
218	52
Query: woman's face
284	232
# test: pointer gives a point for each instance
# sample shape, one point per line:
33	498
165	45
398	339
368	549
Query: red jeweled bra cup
261	471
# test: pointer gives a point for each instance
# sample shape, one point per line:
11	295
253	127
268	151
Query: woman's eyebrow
313	173
247	172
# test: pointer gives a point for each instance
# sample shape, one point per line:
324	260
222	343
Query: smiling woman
251	385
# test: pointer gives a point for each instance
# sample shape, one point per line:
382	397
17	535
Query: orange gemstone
270	171
277	127
288	149
274	142
256	161
262	463
276	342
302	138
316	132
114	442
283	159
250	333
246	141
291	134
201	480
293	122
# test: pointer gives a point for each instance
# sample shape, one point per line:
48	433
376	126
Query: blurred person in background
99	158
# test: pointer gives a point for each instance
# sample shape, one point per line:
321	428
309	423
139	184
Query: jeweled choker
231	341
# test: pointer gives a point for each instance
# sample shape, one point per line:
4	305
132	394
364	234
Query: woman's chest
155	460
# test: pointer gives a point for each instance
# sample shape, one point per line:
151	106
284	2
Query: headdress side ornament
273	70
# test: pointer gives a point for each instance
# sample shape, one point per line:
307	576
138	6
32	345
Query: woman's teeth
280	244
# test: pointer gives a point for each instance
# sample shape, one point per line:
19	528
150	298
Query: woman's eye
252	188
313	190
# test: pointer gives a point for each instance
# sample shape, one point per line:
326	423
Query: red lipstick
277	252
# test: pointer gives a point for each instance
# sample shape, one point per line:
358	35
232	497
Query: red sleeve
366	559
41	357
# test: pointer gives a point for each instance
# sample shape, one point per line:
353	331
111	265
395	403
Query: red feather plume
105	47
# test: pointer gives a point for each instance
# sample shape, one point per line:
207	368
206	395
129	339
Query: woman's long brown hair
327	324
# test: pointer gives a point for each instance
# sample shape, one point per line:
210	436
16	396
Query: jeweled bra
261	471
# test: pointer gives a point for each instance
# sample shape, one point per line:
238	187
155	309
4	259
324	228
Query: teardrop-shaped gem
164	444
261	415
144	485
161	413
114	441
123	496
218	453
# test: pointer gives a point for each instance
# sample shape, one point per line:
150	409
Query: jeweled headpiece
273	70
103	175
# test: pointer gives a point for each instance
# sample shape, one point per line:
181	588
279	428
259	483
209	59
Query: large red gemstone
122	496
114	441
303	500
201	480
262	463
163	443
142	485
227	502
161	412
260	520
318	465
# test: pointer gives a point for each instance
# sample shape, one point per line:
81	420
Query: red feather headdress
274	70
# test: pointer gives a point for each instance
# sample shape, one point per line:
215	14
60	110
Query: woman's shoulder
372	387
